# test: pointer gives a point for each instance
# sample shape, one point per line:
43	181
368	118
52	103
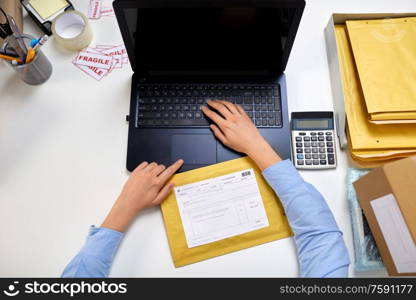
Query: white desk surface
63	154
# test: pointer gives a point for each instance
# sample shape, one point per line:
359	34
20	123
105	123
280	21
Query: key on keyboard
178	105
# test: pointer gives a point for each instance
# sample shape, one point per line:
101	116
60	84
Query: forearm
120	216
302	202
319	242
96	256
263	154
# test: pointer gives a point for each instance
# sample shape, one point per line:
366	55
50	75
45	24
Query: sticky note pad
47	8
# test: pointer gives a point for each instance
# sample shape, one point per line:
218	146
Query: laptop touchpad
194	149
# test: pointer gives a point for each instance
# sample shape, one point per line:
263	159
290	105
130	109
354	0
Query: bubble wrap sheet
367	257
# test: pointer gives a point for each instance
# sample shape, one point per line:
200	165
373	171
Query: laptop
185	52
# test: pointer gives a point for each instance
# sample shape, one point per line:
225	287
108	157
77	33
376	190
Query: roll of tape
72	30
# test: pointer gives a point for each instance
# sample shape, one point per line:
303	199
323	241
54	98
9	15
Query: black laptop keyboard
178	105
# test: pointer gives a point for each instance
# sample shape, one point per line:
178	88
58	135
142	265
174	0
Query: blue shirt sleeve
320	246
96	256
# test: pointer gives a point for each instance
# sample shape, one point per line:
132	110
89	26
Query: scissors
9	30
5	29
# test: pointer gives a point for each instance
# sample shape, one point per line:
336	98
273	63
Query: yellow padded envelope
396	117
363	134
182	255
385	56
376	158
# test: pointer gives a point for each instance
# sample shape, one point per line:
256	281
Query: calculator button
306	138
314	150
308	156
329	144
316	162
314	144
321	150
322	162
322	156
298	139
307	150
299	156
307	144
331	155
313	133
308	162
331	161
298	144
321	144
321	138
330	150
329	138
299	151
328	133
300	162
320	133
315	156
302	133
314	139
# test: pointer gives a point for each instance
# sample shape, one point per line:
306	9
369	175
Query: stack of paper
369	142
385	56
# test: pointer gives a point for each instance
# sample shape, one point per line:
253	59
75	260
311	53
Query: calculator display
306	124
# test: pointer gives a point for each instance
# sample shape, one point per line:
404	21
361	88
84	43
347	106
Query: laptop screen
208	38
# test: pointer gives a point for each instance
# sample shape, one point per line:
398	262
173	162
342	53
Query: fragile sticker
94	10
107	11
94	60
101	60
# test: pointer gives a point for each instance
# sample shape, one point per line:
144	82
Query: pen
30	55
11	58
40	42
33	42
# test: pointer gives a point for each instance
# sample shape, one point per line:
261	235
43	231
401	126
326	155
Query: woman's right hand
234	128
145	187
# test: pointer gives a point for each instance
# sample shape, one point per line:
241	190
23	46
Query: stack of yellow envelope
385	56
369	143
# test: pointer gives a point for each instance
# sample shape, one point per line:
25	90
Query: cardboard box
396	179
333	62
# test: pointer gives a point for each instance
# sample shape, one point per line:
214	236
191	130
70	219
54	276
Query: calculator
313	140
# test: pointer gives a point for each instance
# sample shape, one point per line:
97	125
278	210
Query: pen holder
35	72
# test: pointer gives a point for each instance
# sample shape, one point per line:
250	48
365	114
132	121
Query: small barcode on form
246	173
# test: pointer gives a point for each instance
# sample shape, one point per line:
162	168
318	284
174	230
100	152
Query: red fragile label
94	60
94	10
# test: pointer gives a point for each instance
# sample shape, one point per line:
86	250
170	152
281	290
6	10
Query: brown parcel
397	178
